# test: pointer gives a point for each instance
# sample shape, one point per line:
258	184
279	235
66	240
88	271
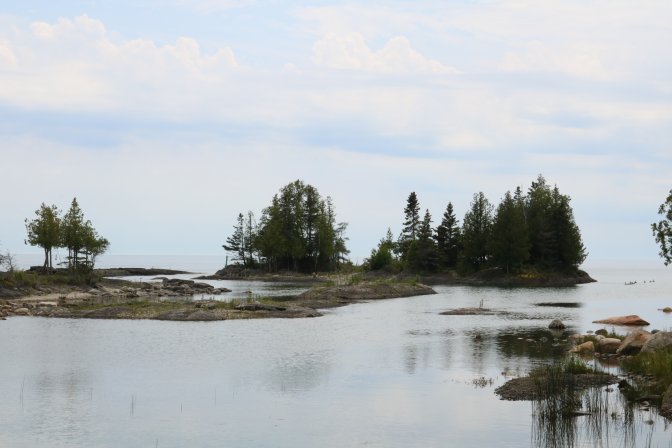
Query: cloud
582	60
75	64
350	52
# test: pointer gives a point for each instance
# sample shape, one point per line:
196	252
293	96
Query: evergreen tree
409	232
448	238
381	257
570	250
539	206
44	231
422	254
510	247
476	229
236	242
662	230
73	233
81	239
298	231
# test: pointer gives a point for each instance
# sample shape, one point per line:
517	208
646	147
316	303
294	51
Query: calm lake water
391	373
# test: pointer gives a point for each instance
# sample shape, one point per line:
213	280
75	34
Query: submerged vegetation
531	233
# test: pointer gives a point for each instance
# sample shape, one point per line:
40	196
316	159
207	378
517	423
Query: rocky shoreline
188	300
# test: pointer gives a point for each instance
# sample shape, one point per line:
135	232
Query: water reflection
300	372
594	417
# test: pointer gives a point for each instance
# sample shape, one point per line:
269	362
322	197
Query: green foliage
510	246
422	255
409	233
476	231
657	364
298	231
72	231
662	230
448	239
554	237
44	231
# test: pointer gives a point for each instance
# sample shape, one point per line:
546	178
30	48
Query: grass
657	365
31	279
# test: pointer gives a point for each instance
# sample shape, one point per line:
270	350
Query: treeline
297	231
50	230
532	229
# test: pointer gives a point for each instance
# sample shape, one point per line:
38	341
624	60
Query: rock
22	312
576	338
660	340
47	304
586	347
609	345
556	324
256	306
667	309
633	342
631	319
602	332
666	405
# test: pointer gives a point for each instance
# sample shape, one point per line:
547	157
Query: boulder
22	312
556	324
609	345
602	332
631	319
633	342
586	347
660	340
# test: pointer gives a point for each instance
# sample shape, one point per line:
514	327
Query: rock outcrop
630	320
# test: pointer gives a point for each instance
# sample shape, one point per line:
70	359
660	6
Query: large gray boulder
633	342
660	341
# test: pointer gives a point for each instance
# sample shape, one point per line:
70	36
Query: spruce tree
476	229
236	242
448	239
510	247
411	226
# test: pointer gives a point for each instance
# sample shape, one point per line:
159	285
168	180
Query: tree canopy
297	231
662	230
533	229
72	231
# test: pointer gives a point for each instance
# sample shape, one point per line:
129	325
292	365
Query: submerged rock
556	324
631	319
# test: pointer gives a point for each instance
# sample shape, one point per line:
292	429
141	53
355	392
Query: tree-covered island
529	238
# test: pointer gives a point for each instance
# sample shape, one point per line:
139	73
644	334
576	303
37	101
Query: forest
536	228
298	231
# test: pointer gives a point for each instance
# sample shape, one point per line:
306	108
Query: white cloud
75	64
580	60
350	52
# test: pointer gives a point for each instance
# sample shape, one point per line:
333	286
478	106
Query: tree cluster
662	230
50	230
297	231
536	228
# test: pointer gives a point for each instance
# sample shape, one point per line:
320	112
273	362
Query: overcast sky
167	118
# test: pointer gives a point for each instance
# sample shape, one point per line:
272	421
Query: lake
390	373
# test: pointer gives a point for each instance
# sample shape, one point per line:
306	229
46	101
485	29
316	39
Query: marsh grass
657	365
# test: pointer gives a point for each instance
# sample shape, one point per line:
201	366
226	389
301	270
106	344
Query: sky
165	119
